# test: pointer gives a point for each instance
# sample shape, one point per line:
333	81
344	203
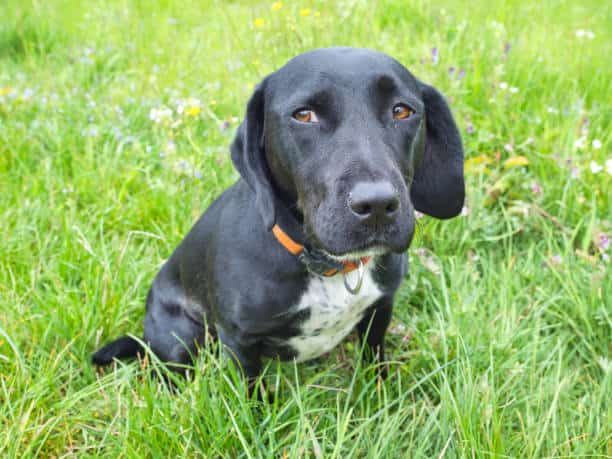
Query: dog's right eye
305	116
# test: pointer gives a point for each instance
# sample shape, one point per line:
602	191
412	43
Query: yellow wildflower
277	6
516	161
193	110
473	163
5	91
305	12
259	22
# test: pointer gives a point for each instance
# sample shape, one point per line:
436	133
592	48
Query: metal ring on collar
355	290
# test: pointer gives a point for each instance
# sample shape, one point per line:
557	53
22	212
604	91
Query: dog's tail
122	348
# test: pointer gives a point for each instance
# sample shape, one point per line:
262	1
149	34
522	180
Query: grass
500	345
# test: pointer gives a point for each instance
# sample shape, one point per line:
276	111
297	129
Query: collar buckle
318	263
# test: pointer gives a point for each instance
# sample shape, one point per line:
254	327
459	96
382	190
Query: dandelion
259	22
473	163
596	144
595	167
6	91
277	6
305	12
516	161
193	110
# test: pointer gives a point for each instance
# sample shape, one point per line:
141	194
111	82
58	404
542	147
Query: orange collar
297	249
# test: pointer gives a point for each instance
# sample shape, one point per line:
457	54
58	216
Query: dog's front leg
246	355
372	329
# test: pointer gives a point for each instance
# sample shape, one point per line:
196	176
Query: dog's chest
333	312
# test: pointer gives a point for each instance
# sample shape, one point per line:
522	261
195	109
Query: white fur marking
334	312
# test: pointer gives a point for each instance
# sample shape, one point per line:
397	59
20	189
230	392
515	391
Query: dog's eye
402	112
305	116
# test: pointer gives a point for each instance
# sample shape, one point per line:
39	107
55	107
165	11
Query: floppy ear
438	188
249	158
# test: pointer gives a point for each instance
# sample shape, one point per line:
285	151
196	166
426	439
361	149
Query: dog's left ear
248	156
438	188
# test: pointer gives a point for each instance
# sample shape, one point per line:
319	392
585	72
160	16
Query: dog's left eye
305	116
402	112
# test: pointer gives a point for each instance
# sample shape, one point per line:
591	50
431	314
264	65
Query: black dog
337	150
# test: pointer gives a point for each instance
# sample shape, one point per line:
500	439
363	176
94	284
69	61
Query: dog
337	150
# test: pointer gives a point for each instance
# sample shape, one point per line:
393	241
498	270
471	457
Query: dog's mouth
358	254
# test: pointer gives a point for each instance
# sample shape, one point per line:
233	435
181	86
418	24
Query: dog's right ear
248	156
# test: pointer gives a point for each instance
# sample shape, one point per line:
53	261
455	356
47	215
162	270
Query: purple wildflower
536	188
603	241
434	55
224	126
574	172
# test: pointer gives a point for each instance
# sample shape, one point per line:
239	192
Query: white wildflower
595	168
160	115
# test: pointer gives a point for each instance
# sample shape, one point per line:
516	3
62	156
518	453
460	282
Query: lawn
115	122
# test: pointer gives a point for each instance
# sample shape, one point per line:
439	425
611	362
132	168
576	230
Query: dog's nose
374	202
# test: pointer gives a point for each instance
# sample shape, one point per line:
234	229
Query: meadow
115	122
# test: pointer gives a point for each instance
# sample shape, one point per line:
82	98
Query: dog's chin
370	247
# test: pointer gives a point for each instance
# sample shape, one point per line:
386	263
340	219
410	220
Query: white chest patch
334	312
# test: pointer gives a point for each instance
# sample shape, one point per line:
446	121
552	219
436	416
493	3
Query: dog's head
354	143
